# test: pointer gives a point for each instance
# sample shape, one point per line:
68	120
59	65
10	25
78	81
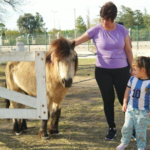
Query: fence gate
39	103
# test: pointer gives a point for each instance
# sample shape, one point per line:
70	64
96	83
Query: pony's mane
61	48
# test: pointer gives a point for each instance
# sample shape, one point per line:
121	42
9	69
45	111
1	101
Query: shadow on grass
7	140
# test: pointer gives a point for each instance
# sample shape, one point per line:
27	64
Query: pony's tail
7	100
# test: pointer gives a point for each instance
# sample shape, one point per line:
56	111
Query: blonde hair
143	62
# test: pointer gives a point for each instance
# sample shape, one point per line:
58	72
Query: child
137	95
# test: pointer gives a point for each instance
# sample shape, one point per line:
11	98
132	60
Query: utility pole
74	23
88	18
54	24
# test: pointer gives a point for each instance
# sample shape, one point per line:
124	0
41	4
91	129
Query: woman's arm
130	41
128	51
83	38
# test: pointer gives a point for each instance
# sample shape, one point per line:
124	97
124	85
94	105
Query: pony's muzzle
67	83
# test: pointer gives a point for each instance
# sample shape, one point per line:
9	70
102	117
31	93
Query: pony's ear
50	57
72	44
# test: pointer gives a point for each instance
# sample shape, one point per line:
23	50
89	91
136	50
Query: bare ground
82	124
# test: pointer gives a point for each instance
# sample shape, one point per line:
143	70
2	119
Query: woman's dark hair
109	10
143	62
121	23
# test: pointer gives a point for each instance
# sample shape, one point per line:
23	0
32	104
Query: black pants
107	80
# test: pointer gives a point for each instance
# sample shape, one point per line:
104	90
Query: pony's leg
7	103
6	100
54	119
23	124
10	84
16	127
43	130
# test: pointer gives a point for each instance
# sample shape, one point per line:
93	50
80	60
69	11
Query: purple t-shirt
109	46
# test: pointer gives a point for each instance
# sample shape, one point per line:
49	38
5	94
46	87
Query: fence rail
39	103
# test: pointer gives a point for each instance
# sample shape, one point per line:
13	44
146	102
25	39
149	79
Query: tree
2	26
80	25
31	24
126	15
27	23
138	17
146	18
40	23
13	33
95	21
2	29
133	18
5	6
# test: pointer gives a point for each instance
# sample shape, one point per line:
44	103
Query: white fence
39	103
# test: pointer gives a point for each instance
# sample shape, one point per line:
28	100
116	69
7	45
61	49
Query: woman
112	45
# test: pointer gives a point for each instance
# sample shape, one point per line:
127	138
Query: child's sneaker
133	135
121	147
111	134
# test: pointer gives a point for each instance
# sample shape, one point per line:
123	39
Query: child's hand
149	114
124	107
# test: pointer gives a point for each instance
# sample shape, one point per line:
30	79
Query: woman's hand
128	51
83	38
124	107
131	73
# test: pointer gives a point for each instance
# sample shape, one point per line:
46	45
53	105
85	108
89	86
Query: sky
61	14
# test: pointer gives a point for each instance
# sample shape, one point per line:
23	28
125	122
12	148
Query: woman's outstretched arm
83	38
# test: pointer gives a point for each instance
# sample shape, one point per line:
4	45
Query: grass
85	67
82	123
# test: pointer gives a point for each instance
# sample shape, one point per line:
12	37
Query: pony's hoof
18	133
57	134
26	130
45	137
53	132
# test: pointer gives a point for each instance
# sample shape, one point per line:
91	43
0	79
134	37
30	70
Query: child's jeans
139	120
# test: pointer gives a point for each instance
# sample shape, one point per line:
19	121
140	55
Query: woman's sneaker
121	147
111	134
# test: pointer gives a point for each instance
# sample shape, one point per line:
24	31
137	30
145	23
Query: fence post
137	37
0	43
46	39
49	38
10	42
131	34
27	39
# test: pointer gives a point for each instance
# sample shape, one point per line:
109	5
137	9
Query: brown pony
20	76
